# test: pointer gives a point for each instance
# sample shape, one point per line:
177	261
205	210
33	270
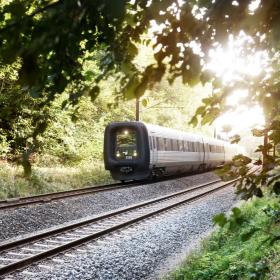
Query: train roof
173	133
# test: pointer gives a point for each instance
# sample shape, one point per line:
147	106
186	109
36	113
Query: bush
239	252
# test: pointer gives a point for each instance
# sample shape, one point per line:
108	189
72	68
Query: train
135	150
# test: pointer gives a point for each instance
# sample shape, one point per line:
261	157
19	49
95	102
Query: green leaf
144	102
220	219
236	212
89	75
200	110
258	132
194	121
235	139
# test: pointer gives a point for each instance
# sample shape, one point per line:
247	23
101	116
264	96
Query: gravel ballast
28	219
145	251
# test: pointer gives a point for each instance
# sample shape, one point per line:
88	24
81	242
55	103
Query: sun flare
240	120
231	64
237	59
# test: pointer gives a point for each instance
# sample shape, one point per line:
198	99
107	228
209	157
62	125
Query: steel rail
48	197
18	264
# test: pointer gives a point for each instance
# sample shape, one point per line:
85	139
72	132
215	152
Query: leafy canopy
53	39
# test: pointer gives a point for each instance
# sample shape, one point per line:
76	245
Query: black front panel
126	150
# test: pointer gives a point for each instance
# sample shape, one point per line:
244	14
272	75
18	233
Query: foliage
234	252
51	60
49	179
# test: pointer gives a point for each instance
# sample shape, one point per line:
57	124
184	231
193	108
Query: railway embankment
145	250
28	219
245	246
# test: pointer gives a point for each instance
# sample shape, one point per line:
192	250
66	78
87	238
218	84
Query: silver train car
135	151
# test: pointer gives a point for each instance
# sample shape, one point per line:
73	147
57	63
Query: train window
181	145
126	144
164	144
161	144
191	146
178	145
167	144
154	143
185	146
174	145
150	142
158	143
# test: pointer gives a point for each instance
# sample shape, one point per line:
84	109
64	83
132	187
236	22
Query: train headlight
118	154
135	154
125	132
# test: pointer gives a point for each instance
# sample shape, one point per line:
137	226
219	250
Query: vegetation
106	35
13	183
249	251
69	67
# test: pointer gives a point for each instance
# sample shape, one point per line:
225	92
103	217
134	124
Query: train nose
126	150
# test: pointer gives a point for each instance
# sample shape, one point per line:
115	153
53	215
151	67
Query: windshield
126	144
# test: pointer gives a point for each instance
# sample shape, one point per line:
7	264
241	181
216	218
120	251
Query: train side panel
170	160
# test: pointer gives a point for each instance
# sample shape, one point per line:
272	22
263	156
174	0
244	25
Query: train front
126	150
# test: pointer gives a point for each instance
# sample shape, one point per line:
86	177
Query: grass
239	250
49	179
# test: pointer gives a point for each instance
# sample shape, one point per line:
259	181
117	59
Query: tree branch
36	12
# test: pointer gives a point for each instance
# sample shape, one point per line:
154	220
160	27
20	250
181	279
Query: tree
53	40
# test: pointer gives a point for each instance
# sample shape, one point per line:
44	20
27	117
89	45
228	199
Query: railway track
48	197
23	252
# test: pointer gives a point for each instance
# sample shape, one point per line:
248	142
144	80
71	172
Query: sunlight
242	119
253	6
237	59
236	97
